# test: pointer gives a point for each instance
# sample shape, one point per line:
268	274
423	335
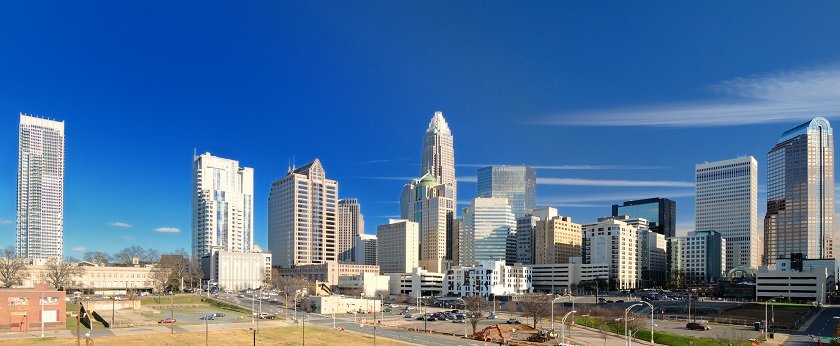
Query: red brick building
23	309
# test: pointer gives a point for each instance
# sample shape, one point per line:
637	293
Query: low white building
489	278
100	279
796	279
371	284
561	277
418	283
336	304
237	270
328	272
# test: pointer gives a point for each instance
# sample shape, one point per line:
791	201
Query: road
823	325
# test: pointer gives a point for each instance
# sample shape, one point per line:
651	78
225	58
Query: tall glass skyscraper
484	232
727	202
518	184
351	224
40	188
660	212
800	193
222	206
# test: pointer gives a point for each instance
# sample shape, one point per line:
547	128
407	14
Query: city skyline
270	86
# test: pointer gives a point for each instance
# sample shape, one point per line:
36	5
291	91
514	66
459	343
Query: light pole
381	306
625	321
563	324
552	313
206	330
651	320
766	321
42	314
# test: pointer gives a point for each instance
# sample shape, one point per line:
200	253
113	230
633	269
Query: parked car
513	321
696	326
207	317
167	320
408	316
266	316
459	320
219	314
491	316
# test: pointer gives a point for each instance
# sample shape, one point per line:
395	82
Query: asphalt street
823	325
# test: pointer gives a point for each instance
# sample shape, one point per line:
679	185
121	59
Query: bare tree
291	284
127	255
60	274
12	268
634	323
536	306
196	273
151	256
475	307
97	257
160	278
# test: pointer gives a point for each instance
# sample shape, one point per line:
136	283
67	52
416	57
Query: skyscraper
40	188
222	206
515	183
485	227
303	217
660	212
439	153
727	202
430	204
399	243
800	193
351	224
556	239
526	233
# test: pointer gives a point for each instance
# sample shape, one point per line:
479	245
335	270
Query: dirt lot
267	336
784	314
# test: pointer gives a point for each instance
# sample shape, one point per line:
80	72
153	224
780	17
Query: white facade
351	224
100	279
700	256
222	206
792	285
560	277
489	278
614	243
336	304
484	230
302	217
439	153
370	284
727	202
367	247
399	246
432	206
417	283
237	270
40	188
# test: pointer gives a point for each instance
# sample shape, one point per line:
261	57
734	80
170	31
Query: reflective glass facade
517	184
660	212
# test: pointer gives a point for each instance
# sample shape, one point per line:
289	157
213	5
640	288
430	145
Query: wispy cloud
167	230
78	249
599	182
119	224
370	162
609	199
781	97
4	222
127	238
569	167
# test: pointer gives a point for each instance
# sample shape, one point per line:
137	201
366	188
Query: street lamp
563	324
552	313
381	306
651	320
766	321
625	321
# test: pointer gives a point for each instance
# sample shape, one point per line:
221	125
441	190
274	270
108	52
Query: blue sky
612	100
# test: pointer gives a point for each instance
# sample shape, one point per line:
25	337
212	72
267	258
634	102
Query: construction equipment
484	334
541	336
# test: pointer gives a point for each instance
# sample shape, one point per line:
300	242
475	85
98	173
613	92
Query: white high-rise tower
223	206
439	153
351	224
40	188
727	202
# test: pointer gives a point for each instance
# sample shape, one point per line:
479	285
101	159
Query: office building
660	212
615	243
327	272
800	193
40	188
222	206
368	284
431	205
486	225
518	184
565	277
399	246
488	279
796	278
652	249
510	248
367	248
439	153
556	240
237	270
303	217
727	202
351	223
700	257
526	233
417	283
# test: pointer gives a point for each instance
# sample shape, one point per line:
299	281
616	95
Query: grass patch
165	300
266	336
659	337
